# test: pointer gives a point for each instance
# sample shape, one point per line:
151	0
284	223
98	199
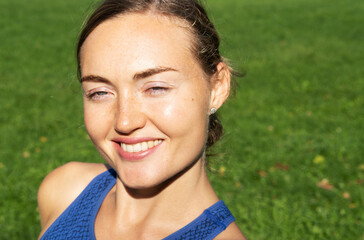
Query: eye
97	95
157	90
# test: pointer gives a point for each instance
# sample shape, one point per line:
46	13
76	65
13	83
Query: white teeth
137	147
143	146
129	148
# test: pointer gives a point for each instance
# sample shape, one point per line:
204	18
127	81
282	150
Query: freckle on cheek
193	99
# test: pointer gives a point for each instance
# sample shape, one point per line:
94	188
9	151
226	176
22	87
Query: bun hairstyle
205	43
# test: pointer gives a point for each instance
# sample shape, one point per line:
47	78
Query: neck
179	200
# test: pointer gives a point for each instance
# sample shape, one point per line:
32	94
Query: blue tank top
78	220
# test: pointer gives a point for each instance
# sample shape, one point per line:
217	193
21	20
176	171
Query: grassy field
292	159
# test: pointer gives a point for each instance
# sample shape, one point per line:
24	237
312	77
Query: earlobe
221	85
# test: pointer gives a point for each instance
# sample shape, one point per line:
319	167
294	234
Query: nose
129	115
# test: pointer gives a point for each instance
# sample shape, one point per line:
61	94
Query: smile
139	147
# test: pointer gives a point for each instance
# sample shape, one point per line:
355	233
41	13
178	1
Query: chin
144	189
147	182
140	184
140	179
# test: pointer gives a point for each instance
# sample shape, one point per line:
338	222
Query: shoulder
62	186
232	232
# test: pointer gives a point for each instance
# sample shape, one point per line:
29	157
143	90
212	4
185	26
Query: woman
152	80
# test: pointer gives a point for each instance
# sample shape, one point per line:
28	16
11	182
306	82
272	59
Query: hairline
177	20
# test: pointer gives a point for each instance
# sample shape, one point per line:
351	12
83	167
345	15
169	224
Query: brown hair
206	40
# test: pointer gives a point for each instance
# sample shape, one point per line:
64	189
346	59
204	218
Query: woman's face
146	99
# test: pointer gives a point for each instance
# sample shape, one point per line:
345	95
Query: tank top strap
208	225
77	221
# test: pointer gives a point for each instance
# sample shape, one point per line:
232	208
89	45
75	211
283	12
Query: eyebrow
140	75
94	78
152	71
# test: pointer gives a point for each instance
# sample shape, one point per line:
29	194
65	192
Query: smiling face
146	98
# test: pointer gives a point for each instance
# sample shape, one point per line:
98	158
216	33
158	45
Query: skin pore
146	107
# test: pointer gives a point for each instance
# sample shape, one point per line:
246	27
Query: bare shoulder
232	232
62	186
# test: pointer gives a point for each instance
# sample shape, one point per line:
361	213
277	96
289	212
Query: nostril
128	121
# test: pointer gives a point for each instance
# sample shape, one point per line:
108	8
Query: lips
136	149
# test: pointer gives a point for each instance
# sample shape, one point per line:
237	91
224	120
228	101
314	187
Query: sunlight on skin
179	95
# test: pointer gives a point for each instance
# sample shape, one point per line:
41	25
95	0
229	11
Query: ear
220	85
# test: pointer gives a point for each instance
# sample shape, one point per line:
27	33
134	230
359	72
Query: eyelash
152	91
96	95
157	90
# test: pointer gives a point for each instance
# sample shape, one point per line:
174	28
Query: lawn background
291	162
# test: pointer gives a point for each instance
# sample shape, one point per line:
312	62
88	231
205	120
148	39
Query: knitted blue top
78	220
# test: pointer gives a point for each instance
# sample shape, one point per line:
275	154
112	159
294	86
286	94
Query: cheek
182	115
97	121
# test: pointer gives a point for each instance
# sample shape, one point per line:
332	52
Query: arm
232	232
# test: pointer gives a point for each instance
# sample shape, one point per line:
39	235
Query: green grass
302	97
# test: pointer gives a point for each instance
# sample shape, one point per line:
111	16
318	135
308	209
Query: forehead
136	41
